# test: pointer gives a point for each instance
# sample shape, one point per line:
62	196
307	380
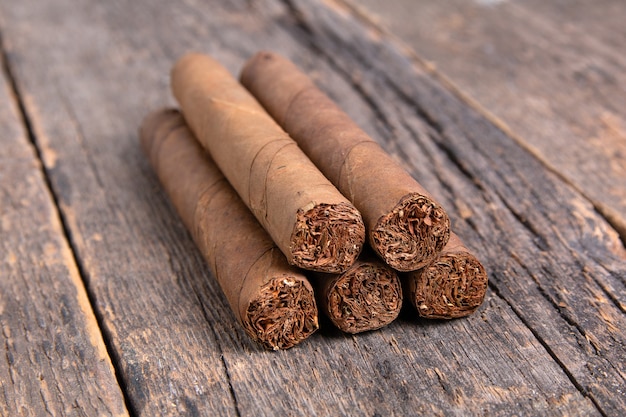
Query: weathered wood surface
554	72
548	341
52	357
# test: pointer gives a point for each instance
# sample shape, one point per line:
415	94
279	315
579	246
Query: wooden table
510	112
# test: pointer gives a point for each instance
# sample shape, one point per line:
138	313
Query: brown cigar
452	286
311	222
367	296
273	301
406	226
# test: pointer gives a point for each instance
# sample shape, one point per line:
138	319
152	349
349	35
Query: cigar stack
294	206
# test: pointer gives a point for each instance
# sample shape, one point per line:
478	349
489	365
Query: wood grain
553	72
53	357
546	342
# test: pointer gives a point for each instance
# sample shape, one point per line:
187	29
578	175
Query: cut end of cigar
283	314
453	286
327	238
413	234
366	297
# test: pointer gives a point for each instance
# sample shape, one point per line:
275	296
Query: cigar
406	227
273	301
315	226
366	297
452	286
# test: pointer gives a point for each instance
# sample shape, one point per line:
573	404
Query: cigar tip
283	313
452	286
327	237
366	297
412	234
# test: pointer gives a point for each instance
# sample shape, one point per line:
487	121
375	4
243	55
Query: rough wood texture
53	358
548	340
552	71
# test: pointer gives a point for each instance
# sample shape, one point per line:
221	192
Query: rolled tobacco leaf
452	286
367	296
315	226
273	300
406	226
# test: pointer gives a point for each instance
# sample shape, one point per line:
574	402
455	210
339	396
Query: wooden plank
179	349
139	271
53	356
551	71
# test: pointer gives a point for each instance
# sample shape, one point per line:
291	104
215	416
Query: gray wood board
545	341
53	357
